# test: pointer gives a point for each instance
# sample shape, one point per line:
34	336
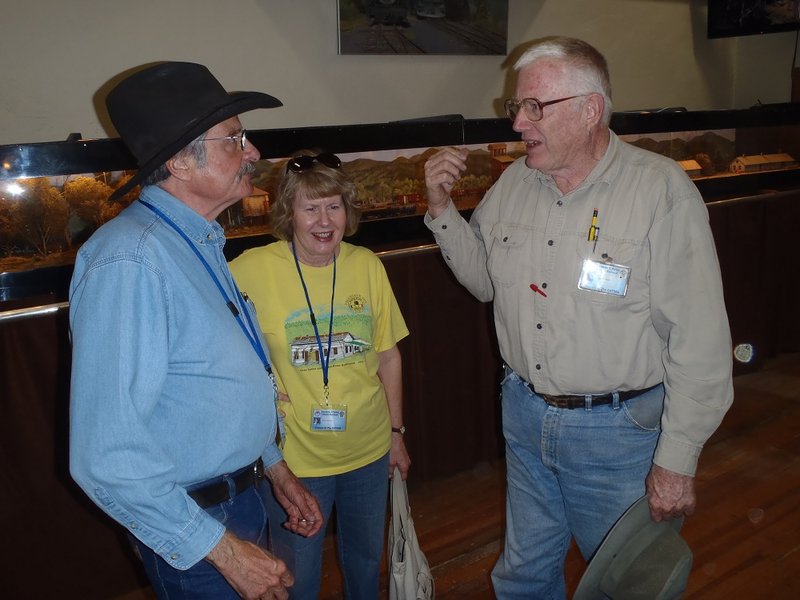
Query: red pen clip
538	290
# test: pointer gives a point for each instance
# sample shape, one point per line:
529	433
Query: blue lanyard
252	338
323	359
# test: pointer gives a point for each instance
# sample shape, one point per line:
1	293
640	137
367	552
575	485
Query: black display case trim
63	158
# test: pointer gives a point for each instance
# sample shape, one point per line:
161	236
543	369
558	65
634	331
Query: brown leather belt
574	401
219	491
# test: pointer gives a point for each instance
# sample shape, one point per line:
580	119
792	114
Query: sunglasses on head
298	164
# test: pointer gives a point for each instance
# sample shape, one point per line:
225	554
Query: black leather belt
219	491
570	401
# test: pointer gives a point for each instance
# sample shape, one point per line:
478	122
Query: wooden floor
745	535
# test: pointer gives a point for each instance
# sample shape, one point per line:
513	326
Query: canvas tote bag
409	574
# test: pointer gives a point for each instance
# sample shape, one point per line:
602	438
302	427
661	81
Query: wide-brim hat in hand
160	109
639	559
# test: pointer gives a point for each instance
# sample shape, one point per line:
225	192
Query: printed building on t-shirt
305	350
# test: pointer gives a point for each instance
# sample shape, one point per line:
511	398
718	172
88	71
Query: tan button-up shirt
670	326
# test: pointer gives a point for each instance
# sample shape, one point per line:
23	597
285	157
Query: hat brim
631	523
238	103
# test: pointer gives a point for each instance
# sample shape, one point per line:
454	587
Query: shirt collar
604	171
190	222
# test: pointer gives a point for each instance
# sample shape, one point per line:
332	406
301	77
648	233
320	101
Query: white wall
55	54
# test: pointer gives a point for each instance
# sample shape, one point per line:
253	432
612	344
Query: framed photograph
731	18
423	26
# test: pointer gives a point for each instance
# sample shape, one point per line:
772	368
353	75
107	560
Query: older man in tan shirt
609	314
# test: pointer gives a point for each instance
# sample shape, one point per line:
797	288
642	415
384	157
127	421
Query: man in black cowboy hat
173	419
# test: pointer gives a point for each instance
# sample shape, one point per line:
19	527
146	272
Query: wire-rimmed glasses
239	138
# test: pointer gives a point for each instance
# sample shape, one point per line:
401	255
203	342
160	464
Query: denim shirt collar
197	227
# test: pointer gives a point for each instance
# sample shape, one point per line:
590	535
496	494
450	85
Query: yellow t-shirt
366	321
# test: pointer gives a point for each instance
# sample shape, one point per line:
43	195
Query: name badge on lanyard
328	418
604	278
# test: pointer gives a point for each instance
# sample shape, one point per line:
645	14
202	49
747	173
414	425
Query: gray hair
588	67
196	150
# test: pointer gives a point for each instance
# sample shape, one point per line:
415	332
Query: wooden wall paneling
451	369
58	544
739	236
782	267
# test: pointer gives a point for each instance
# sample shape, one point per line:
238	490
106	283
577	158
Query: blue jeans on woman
570	472
360	497
246	516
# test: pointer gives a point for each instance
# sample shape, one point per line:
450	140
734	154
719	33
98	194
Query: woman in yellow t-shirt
332	324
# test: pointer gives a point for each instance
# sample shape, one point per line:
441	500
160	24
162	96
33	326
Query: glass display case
54	195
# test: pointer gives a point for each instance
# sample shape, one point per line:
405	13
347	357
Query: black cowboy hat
160	109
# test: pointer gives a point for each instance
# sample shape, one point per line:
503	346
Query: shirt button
550	242
560	203
544	285
132	526
505	239
538	367
538	326
444	226
174	556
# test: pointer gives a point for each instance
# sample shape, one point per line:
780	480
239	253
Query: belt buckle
258	470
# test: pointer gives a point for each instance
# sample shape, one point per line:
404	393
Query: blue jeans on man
245	515
570	473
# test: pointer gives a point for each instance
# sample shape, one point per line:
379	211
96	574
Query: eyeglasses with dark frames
298	164
533	107
238	138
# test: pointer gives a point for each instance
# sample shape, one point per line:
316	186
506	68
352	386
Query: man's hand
671	494
251	571
442	171
305	516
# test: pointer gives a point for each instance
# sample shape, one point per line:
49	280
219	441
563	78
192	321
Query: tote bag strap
400	506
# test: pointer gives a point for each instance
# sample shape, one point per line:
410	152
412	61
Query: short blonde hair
315	181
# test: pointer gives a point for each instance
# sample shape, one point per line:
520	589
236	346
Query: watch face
744	352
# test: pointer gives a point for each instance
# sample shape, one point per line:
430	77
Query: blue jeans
360	497
570	472
246	516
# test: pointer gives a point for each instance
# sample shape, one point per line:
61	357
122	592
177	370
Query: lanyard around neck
323	359
249	333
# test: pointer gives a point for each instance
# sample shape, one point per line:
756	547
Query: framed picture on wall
423	26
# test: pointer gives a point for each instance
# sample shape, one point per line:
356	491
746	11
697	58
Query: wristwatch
401	430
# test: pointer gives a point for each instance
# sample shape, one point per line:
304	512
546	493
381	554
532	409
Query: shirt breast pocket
507	253
629	254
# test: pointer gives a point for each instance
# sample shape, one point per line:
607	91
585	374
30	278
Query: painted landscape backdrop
44	220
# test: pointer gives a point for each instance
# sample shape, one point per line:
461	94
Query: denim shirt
166	390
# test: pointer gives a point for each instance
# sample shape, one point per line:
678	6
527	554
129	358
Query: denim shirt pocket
506	253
